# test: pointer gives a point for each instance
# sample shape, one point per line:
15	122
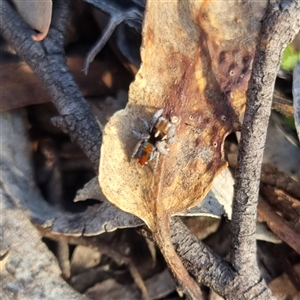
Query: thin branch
277	224
296	97
212	270
47	60
114	21
279	26
209	268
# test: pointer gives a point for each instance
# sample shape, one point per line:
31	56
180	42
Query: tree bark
280	25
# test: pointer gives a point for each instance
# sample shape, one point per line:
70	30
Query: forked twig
114	21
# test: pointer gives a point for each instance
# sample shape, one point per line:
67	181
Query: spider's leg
135	150
156	160
146	125
140	135
171	140
161	146
171	133
156	116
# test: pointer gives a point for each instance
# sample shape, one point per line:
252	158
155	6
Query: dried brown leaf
196	65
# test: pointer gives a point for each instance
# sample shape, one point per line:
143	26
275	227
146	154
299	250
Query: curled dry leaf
197	58
217	202
37	14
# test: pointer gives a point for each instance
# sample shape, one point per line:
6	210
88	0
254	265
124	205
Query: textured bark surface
280	25
212	270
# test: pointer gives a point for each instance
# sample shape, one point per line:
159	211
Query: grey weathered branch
296	97
47	60
212	270
281	23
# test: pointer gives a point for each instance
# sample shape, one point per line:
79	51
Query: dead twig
272	176
47	60
212	270
115	20
280	25
278	226
284	205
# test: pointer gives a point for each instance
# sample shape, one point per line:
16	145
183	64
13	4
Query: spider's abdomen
146	152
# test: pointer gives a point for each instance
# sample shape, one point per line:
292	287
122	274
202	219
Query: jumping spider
159	133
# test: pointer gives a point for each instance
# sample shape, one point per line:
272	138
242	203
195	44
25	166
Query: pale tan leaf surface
217	202
174	75
3	260
196	63
202	227
263	233
37	14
